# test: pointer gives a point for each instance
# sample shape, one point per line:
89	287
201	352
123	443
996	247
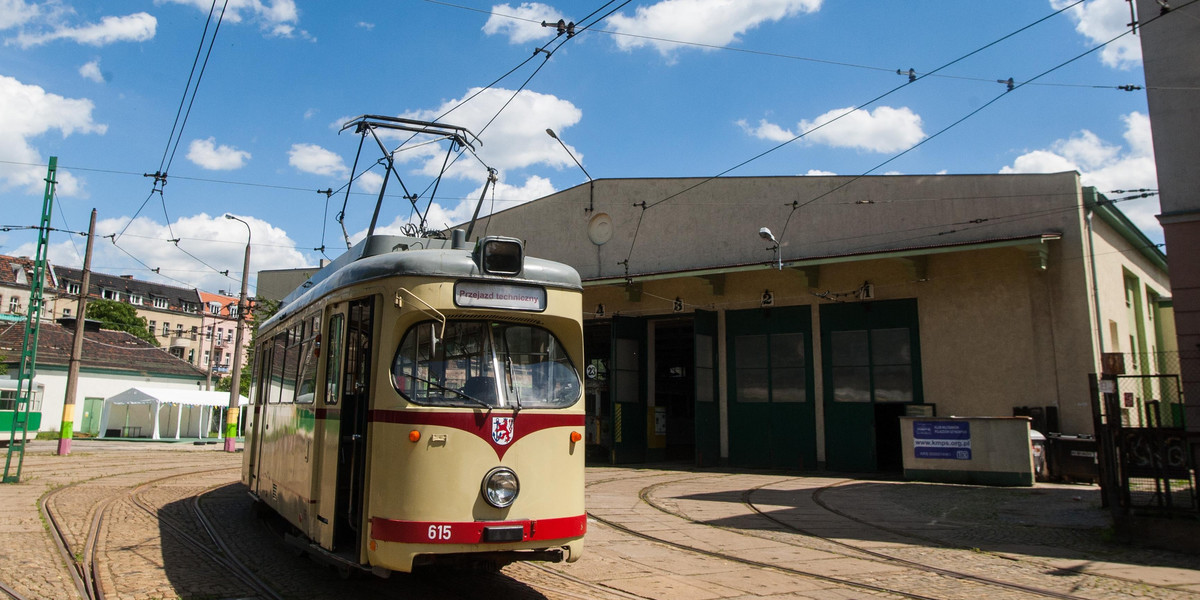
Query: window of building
66	312
160	303
190	307
72	288
110	294
220	333
14	304
207	357
214	308
151	327
179	330
195	330
136	299
233	311
166	329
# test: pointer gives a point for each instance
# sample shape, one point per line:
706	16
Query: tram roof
380	256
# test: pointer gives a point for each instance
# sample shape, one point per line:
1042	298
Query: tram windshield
484	363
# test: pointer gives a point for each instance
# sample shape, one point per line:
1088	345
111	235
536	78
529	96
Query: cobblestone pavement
811	537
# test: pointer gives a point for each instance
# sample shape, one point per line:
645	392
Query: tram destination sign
942	439
477	294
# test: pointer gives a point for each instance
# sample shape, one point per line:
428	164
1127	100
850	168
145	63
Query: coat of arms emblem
502	430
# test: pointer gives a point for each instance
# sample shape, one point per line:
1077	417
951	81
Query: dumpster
1037	443
1073	458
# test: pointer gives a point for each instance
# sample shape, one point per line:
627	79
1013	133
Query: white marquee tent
159	412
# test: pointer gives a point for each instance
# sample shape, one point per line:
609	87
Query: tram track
79	548
11	593
818	499
982	582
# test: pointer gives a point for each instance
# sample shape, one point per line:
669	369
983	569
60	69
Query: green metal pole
25	373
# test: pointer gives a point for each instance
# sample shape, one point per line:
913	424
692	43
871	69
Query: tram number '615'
439	532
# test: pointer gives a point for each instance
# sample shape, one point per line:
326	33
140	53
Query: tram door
628	390
259	405
352	445
328	432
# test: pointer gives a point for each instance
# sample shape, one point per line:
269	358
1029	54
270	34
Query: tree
121	317
263	310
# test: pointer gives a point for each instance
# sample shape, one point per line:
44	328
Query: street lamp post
231	417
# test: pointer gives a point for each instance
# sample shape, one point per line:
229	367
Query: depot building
789	322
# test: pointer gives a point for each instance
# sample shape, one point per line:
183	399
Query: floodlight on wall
766	234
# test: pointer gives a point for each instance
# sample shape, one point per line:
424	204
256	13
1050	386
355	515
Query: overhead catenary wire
852	111
780	55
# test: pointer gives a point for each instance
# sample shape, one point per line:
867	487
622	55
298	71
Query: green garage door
772	419
870	352
708	414
628	389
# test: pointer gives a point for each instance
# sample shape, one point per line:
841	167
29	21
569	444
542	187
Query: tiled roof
176	296
9	265
103	349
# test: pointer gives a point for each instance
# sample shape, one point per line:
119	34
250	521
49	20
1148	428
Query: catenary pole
67	431
231	417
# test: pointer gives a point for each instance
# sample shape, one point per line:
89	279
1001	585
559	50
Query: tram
8	403
420	403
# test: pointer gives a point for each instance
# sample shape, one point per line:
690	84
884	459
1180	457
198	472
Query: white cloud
369	181
884	129
276	18
819	173
503	197
522	23
366	25
1102	20
1106	166
516	139
766	131
137	27
29	111
712	22
14	13
91	71
311	158
214	239
207	154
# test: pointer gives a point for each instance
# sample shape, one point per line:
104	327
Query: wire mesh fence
1143	413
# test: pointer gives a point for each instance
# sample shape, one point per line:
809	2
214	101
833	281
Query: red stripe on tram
473	532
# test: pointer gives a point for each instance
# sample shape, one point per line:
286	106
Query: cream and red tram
418	405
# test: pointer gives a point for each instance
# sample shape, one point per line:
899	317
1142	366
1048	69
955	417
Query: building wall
1170	43
1001	268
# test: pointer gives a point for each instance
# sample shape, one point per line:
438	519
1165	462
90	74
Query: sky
244	112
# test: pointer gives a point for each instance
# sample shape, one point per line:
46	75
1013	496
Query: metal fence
1146	466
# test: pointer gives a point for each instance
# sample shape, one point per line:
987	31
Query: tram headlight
500	487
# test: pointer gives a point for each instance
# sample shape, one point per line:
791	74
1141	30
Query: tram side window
291	365
333	360
306	392
275	379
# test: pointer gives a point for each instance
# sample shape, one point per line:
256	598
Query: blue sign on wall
942	439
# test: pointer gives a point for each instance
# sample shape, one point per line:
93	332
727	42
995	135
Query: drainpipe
1095	282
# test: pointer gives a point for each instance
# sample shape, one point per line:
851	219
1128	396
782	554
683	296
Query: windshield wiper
512	385
453	391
